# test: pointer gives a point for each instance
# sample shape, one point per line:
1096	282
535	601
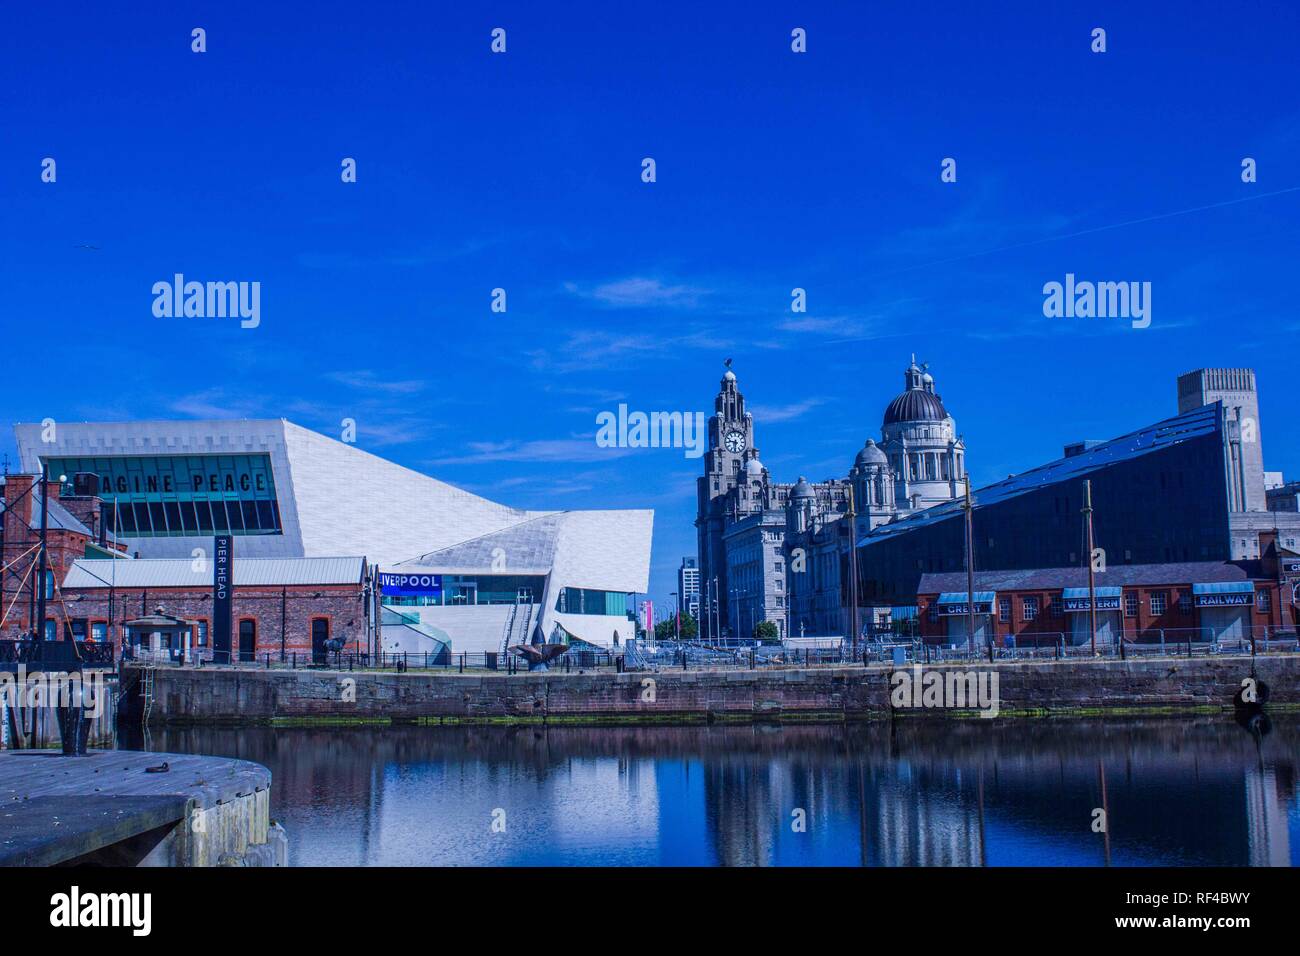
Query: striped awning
1069	593
1225	587
960	597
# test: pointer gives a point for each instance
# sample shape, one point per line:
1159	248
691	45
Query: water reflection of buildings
1268	791
919	794
934	824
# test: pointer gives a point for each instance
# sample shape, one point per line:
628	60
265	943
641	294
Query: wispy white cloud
837	326
215	403
576	449
639	292
771	414
368	380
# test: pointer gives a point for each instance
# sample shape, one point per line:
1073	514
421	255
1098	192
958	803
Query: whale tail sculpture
538	653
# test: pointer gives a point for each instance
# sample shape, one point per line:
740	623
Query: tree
666	630
767	632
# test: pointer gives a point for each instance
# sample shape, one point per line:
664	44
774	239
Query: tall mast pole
45	528
969	507
853	569
1092	581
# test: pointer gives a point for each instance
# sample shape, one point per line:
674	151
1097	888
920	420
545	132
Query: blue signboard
393	583
956	610
1223	600
1103	604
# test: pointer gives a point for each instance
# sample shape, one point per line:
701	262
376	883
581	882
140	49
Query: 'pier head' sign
223	584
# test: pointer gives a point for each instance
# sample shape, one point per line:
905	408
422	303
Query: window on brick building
1159	602
1263	601
1184	602
1030	608
1131	604
201	633
99	631
1058	607
1004	610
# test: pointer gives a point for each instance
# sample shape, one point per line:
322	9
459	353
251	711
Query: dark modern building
1183	491
1159	495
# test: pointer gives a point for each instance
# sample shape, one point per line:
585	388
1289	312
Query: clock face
735	441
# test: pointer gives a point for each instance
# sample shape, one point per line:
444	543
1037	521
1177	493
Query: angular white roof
334	497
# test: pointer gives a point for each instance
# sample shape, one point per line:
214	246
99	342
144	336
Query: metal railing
698	656
56	654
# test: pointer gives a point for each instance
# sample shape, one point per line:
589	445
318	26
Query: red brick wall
342	605
64	547
1174	621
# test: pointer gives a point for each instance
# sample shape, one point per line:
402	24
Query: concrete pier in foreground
107	809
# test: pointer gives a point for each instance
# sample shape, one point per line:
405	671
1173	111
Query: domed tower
802	506
919	437
873	487
753	486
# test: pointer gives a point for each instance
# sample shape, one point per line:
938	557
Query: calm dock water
954	793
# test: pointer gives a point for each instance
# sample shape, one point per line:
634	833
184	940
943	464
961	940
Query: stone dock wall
233	695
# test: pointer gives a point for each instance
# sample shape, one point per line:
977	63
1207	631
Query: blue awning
1225	587
1069	593
959	597
903	613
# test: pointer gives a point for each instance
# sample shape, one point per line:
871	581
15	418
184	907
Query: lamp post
853	569
1092	581
968	507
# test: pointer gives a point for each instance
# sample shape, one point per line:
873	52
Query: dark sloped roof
1123	575
1171	431
59	517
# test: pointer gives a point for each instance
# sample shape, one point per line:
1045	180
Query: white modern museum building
452	570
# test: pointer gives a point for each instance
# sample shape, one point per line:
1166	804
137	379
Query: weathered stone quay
107	808
1025	688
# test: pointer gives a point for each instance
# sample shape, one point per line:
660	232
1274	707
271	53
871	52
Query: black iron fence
672	655
56	655
459	662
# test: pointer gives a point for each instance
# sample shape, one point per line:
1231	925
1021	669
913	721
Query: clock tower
731	447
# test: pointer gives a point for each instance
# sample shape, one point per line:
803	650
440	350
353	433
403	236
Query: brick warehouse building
1177	602
283	607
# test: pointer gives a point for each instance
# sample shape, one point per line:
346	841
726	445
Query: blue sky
522	171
